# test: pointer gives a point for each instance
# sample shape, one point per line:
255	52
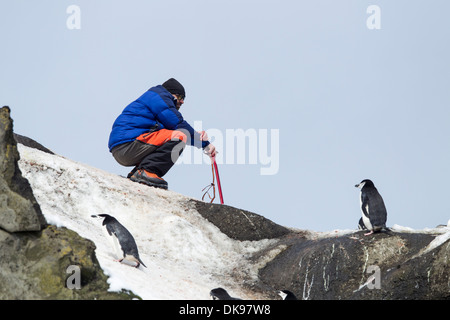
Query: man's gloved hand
210	150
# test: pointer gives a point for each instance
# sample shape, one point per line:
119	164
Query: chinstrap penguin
123	237
286	295
221	294
374	212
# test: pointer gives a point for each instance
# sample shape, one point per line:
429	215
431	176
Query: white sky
349	103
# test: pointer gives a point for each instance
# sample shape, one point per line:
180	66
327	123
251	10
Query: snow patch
186	256
437	230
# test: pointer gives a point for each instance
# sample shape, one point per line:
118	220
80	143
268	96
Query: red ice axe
215	172
218	180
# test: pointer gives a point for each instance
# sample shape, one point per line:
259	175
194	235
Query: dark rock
389	265
34	256
239	224
19	210
342	267
35	265
28	142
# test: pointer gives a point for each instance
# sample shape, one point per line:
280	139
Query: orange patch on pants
158	138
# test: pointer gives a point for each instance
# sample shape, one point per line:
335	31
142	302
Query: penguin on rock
374	214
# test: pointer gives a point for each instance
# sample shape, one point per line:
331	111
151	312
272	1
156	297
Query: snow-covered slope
186	256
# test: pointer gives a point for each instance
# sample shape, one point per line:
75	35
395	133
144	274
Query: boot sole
149	183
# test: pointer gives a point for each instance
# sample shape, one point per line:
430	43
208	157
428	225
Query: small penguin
221	294
286	295
123	237
374	212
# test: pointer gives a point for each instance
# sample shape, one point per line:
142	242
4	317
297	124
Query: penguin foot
128	262
369	233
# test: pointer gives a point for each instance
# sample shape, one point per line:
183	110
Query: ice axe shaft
218	181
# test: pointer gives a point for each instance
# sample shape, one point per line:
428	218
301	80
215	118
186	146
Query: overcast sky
326	93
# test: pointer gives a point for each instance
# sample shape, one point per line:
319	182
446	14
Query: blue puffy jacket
154	110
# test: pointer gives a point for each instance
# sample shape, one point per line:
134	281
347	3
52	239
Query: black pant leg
163	158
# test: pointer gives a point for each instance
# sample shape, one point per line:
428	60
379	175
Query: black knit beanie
174	87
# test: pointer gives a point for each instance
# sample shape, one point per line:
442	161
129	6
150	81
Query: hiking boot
148	178
132	172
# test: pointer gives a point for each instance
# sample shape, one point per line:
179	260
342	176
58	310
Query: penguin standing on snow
374	212
123	237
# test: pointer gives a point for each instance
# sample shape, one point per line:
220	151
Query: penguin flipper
110	230
365	206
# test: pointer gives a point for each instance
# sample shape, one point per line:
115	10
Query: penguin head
286	295
218	294
107	218
283	293
365	183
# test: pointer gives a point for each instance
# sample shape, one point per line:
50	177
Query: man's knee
179	135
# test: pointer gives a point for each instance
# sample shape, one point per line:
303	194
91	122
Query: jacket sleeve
172	119
193	136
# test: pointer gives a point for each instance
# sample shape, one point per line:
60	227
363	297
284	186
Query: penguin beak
360	185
